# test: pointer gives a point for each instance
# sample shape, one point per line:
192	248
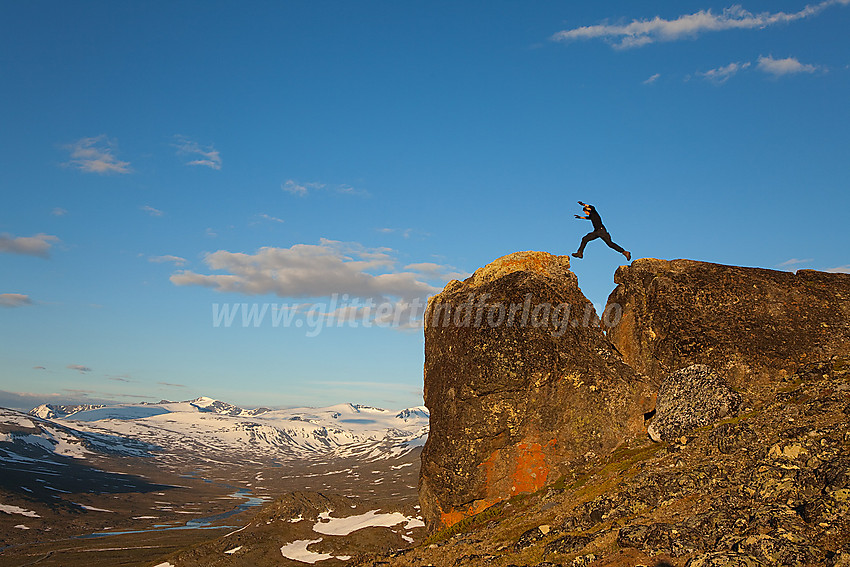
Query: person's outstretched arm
579	216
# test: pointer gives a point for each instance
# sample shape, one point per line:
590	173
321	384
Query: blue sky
160	159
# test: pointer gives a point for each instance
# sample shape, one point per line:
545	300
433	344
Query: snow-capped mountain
213	430
420	412
27	438
223	408
51	411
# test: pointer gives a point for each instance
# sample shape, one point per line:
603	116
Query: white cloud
438	271
349	190
840	269
307	270
403	232
643	32
38	245
151	211
58	212
264	216
722	74
94	155
794	262
207	156
652	79
364	284
177	260
79	368
303	189
14	300
787	66
300	189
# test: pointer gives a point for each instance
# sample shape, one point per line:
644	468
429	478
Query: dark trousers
606	238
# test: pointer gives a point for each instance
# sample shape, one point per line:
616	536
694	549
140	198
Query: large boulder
520	381
754	325
692	397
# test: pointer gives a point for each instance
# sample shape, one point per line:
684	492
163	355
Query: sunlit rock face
753	325
520	381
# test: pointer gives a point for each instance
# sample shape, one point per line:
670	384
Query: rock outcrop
521	382
693	397
755	325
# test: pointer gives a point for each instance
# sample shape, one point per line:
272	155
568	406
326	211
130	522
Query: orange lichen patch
480	505
530	468
451	517
534	262
524	468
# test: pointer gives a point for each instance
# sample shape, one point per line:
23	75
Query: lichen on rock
692	397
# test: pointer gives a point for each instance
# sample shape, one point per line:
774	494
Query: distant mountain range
53	411
212	430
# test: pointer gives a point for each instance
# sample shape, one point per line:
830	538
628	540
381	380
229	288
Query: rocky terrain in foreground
768	487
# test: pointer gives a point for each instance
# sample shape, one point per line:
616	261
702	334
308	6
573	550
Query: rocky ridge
767	485
753	324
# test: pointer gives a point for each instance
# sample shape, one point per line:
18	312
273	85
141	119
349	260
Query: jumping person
599	231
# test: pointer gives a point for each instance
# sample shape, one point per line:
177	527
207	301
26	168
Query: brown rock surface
768	488
520	381
754	324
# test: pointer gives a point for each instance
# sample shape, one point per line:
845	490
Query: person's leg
611	244
587	238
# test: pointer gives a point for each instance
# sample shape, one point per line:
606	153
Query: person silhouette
599	231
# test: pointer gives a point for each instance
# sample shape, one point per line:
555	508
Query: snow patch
345	526
92	508
297	551
9	509
234	550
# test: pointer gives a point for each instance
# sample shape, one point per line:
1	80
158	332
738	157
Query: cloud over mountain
314	270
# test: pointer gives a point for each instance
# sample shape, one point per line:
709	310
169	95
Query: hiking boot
628	256
578	255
